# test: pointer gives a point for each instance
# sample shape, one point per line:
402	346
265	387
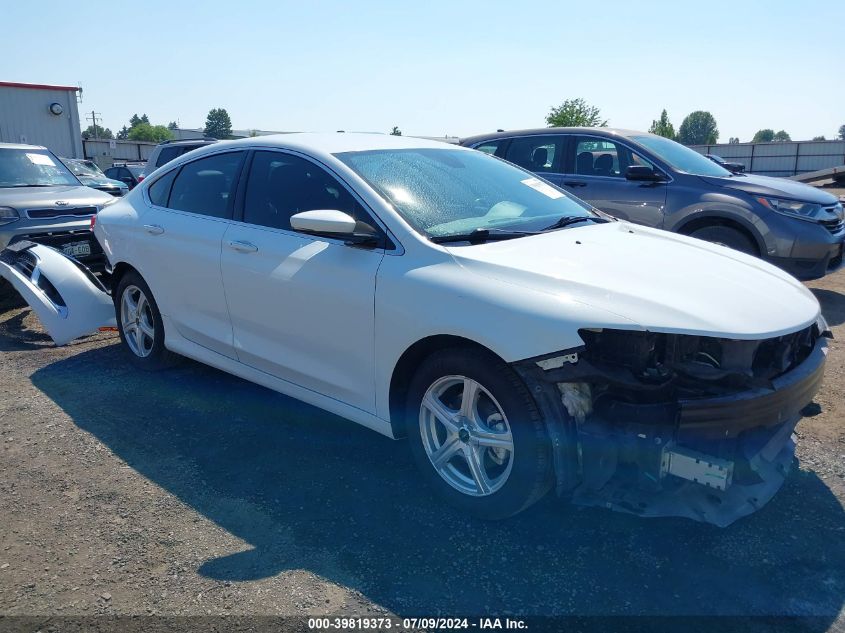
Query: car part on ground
56	286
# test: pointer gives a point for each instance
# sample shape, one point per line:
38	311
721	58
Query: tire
502	411
145	351
727	236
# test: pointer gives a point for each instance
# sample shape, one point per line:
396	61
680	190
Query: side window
111	172
602	157
597	157
490	147
281	185
536	153
206	185
159	191
167	154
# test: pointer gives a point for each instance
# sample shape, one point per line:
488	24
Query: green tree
218	124
395	131
575	113
173	125
97	132
733	140
136	120
781	136
663	126
698	128
766	135
842	132
123	134
819	138
150	133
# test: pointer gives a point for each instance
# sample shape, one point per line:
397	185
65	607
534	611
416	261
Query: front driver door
301	306
595	169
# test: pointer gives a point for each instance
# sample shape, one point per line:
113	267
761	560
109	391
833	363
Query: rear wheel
476	434
140	325
727	236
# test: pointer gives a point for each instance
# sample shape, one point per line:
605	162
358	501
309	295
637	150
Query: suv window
207	185
167	154
489	147
603	157
536	153
281	185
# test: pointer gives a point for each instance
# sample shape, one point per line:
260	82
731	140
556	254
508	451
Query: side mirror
324	221
642	172
335	224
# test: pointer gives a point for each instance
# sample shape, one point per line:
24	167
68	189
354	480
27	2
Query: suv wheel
476	434
727	236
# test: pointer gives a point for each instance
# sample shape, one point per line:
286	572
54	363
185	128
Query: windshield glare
32	167
452	192
681	157
82	168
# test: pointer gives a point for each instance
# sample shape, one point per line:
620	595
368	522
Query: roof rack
180	140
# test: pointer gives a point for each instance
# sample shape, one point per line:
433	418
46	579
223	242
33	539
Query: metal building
40	114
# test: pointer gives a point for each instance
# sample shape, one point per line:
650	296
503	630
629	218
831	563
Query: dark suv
654	181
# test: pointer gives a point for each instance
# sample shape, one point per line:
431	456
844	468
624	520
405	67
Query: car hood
659	281
773	187
74	195
102	181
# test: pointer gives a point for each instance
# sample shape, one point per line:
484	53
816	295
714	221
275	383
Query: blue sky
436	68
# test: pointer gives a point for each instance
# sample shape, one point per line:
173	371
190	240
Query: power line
93	119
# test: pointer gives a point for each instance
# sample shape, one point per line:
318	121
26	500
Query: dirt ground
191	492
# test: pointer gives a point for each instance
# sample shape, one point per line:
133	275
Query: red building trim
12	84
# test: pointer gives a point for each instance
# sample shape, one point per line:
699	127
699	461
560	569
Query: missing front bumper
712	459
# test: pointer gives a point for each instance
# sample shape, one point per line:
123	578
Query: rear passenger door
541	154
595	172
188	211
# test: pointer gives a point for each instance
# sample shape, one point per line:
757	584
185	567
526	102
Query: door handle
243	247
575	183
153	229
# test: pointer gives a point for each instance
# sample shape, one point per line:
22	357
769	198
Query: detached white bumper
68	300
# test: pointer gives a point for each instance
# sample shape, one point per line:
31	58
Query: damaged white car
520	340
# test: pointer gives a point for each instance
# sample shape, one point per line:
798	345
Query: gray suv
42	201
654	181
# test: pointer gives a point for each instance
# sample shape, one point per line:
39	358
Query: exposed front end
676	425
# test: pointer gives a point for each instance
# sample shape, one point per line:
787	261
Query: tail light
93	221
140	179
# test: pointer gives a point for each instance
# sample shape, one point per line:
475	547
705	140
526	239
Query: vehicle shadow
833	305
308	490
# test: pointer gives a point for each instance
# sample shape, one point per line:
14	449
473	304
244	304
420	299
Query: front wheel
476	434
727	236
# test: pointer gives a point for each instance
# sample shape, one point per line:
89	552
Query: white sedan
518	338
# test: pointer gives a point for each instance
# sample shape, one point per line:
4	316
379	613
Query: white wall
25	117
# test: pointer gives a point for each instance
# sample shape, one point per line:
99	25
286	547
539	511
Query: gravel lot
191	492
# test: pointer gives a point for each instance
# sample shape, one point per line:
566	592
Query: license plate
77	249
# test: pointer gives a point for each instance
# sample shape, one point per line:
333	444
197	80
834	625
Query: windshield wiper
574	219
480	235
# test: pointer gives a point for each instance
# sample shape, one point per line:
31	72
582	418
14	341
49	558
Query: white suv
519	339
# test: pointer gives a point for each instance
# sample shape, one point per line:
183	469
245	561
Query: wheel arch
403	371
118	271
694	223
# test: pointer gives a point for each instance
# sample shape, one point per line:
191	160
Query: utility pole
93	119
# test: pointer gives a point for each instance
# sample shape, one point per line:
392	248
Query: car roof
595	131
20	146
333	142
